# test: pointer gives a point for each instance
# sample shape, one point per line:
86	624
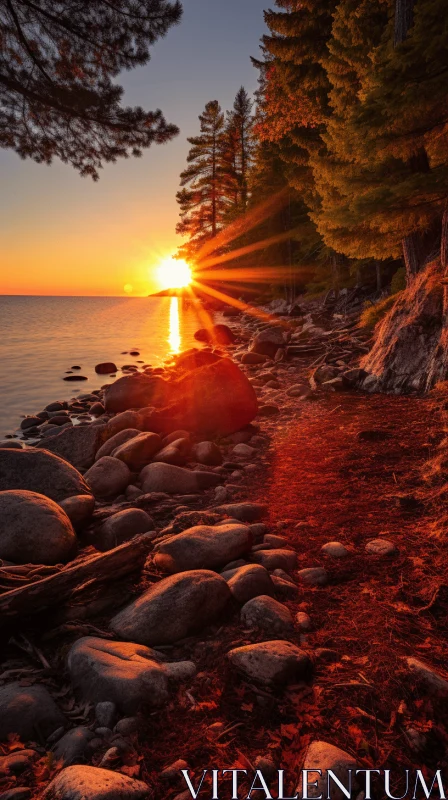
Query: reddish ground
323	484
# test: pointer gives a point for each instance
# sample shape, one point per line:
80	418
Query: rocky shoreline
134	534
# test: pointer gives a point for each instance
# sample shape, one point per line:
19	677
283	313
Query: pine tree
357	30
58	59
202	200
296	95
241	121
384	185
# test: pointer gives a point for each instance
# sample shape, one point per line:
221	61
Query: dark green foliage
57	62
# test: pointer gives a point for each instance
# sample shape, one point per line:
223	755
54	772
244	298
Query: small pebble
335	550
381	547
303	621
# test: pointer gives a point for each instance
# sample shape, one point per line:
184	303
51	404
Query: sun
173	273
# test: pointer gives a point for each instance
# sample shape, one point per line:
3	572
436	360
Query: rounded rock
381	547
34	529
108	477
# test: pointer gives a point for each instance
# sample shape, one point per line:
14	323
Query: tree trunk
404	19
413	254
444	241
335	274
378	276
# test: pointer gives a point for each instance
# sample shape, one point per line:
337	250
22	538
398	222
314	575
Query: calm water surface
43	337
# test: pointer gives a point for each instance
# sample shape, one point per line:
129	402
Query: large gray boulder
173	608
271	663
29	711
276	559
138	451
267	615
250	581
72	746
177	452
40	471
267	342
159	477
120	672
203	547
78	508
214	400
323	756
115	441
34	529
82	782
136	391
208	453
108	477
122	526
77	445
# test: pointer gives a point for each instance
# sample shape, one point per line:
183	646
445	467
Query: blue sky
59	230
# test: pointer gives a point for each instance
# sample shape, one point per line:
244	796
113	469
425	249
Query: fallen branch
55	589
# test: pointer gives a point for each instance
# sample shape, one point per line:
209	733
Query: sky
61	234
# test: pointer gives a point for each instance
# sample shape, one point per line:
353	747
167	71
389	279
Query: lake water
43	337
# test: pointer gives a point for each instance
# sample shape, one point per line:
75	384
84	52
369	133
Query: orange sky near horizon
96	256
61	234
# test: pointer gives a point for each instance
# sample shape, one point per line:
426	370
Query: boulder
211	401
276	559
122	526
159	477
40	471
78	508
193	358
271	663
34	529
250	581
335	550
136	391
203	547
12	444
267	615
207	453
325	373
138	451
108	477
177	453
216	334
116	440
82	782
97	409
29	711
243	450
323	756
106	368
120	672
173	608
267	342
72	746
246	512
313	576
381	547
174	436
77	445
125	421
434	683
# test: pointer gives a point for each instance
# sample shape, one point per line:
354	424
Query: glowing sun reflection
174	338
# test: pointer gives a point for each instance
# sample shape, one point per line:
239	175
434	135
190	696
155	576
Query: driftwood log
56	589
